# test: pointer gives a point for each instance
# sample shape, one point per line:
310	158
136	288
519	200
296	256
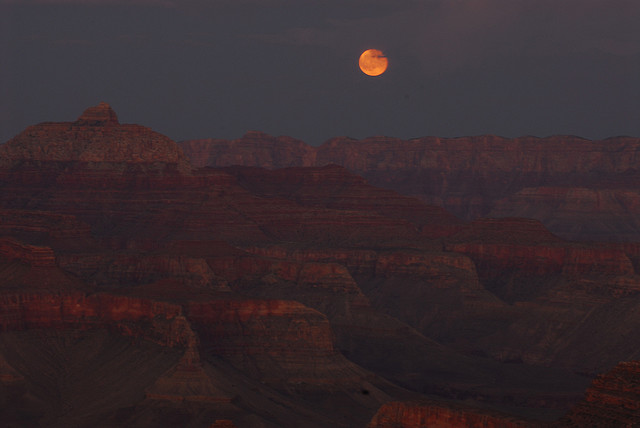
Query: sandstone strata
578	188
96	137
433	414
257	285
613	400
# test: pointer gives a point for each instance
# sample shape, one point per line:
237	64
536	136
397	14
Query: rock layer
260	283
613	400
580	189
96	137
433	414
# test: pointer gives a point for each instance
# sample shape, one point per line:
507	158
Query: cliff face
64	311
31	254
96	136
598	214
505	244
334	187
580	189
423	415
303	350
283	295
612	400
253	149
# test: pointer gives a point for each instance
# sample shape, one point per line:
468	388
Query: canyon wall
580	189
307	293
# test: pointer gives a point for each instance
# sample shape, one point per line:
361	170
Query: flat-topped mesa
99	115
96	141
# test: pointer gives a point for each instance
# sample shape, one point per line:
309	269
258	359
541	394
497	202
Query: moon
373	62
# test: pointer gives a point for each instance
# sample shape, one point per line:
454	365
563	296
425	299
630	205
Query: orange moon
373	62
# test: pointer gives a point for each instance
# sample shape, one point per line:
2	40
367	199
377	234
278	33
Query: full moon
373	62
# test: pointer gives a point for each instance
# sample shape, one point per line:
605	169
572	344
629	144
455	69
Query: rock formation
96	137
300	296
580	189
253	149
612	400
445	415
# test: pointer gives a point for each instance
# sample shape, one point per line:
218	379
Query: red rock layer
578	188
38	223
282	342
597	214
253	149
31	254
525	245
153	320
612	400
373	263
299	340
222	423
96	136
187	380
108	270
432	414
211	205
334	187
358	255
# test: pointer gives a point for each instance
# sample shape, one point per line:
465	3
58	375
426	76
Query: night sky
217	68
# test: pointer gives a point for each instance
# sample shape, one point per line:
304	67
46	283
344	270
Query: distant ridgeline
579	189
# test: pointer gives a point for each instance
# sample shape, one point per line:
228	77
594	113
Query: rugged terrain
140	290
579	189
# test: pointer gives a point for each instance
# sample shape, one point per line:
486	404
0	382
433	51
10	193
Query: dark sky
217	68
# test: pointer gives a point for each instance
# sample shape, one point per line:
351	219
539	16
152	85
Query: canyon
261	282
579	189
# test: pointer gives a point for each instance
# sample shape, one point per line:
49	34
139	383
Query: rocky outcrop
131	316
511	250
281	342
547	259
100	115
612	400
303	352
187	380
445	415
96	137
30	254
